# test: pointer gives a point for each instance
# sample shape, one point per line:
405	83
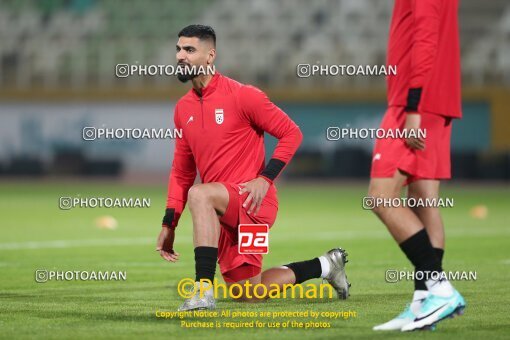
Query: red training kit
424	44
223	137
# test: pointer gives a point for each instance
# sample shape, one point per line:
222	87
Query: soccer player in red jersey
223	124
425	94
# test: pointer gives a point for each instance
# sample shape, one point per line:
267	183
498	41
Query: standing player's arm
426	18
182	177
265	115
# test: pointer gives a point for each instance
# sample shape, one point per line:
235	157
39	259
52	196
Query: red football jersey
424	44
223	137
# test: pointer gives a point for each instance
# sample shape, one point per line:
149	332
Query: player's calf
385	188
280	277
250	290
430	216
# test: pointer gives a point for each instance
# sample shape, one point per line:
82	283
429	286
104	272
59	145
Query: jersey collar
210	88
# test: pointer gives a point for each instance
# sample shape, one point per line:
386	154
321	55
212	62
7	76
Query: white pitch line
61	244
76	243
275	236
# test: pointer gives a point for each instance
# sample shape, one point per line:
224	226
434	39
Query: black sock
205	263
422	255
420	284
439	255
306	270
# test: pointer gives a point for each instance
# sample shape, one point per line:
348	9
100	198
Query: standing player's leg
401	221
443	300
429	216
434	298
409	232
206	202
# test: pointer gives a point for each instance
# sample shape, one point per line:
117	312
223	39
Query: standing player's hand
413	122
257	189
166	243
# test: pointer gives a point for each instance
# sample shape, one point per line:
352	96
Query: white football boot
407	316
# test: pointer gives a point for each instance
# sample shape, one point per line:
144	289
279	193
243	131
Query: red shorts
391	154
234	266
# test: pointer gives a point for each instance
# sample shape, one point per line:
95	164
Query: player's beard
186	76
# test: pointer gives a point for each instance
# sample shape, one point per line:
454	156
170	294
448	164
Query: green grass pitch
35	234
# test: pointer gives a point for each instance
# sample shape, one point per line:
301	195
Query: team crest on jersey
219	116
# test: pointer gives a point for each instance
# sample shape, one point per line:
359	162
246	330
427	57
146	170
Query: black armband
168	219
273	168
413	99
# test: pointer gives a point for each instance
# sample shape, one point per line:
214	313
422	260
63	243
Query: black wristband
413	99
273	168
168	219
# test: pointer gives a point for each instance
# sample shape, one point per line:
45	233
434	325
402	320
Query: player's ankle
204	287
325	266
420	294
441	287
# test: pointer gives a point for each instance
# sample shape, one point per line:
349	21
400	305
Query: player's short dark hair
201	32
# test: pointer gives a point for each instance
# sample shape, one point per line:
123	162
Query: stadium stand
57	43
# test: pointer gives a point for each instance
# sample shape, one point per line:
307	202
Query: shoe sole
198	308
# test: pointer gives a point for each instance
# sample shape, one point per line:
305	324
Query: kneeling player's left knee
198	193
